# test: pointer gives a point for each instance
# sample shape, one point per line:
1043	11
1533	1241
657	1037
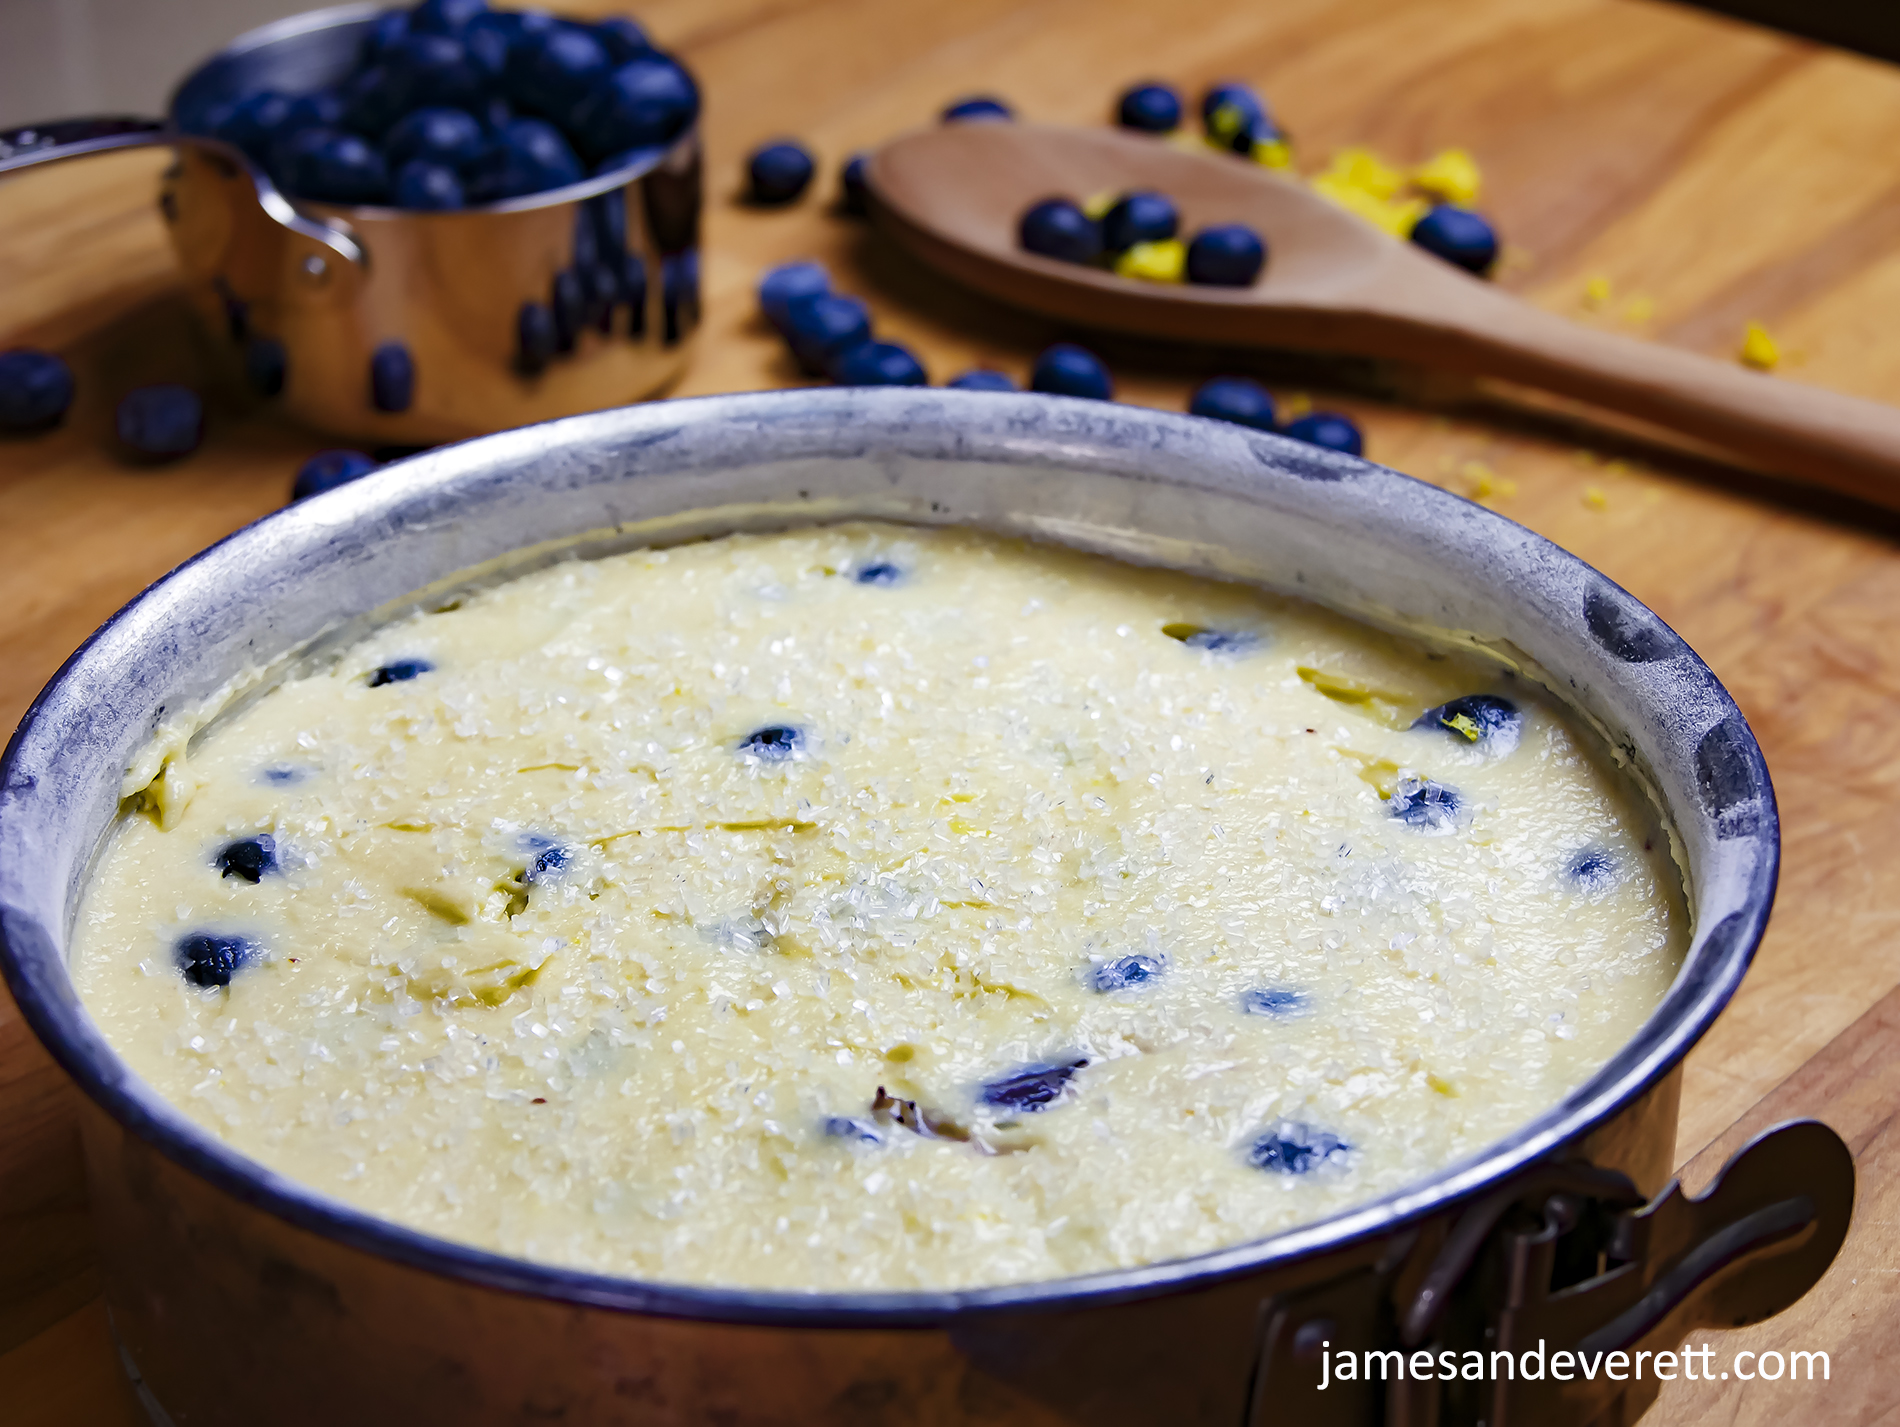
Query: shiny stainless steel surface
316	290
244	1297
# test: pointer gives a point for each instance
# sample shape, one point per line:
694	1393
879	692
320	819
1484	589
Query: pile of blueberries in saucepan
453	104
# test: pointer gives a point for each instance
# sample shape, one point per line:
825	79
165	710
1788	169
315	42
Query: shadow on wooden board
1870	26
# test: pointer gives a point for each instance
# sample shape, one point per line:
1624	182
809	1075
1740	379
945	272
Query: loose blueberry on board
1328	429
1477	718
1058	228
783	285
1127	972
821	329
453	137
162	422
1139	218
36	389
852	1131
210	960
878	572
1151	108
398	671
331	167
649	100
983	379
1273	1001
778	173
775	743
429	187
1291	1147
1459	236
1422	803
979	107
1031	1089
622	39
1241	400
392	377
1226	255
1592	870
1068	370
266	365
854	192
248	859
1232	113
327	470
879	364
1213	641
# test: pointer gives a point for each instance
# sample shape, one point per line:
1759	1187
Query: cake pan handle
33	144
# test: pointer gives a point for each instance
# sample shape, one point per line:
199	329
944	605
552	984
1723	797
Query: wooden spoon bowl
953	195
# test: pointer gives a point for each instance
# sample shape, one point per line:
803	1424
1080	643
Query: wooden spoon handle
1805	432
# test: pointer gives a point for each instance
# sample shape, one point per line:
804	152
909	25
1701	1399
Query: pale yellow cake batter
590	929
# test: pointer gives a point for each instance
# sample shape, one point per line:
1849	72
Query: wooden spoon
953	196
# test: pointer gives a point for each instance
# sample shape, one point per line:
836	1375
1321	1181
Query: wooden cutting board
1704	173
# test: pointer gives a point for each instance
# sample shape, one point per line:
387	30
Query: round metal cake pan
239	1296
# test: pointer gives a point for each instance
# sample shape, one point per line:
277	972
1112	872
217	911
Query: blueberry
983	379
248	859
783	284
1328	429
622	39
879	364
977	106
554	72
327	470
1592	870
1294	1148
649	100
1477	718
1033	1088
1212	641
1068	370
1273	1001
428	187
549	860
1057	228
774	743
433	69
878	572
527	156
371	103
1226	255
1151	108
444	17
854	192
162	422
1229	110
255	123
392	377
1139	218
822	329
568	307
495	114
266	365
1127	972
1422	803
778	173
384	30
452	137
1241	400
844	1127
1458	236
321	110
398	671
282	776
209	960
331	167
36	389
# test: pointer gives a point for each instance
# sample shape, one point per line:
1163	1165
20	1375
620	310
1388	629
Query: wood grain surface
1712	173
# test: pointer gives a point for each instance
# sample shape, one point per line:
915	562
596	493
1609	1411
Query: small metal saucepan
571	300
240	1297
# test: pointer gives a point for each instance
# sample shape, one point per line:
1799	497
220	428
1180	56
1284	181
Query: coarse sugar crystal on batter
870	907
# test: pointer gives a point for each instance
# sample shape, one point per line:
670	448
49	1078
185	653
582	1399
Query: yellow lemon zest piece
1224	123
1639	310
1273	153
1594	497
1362	169
1596	292
1096	204
1451	175
1759	350
1443	1087
1294	406
1165	261
1394	215
1464	724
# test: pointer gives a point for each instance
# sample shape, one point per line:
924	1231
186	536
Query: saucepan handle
58	139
